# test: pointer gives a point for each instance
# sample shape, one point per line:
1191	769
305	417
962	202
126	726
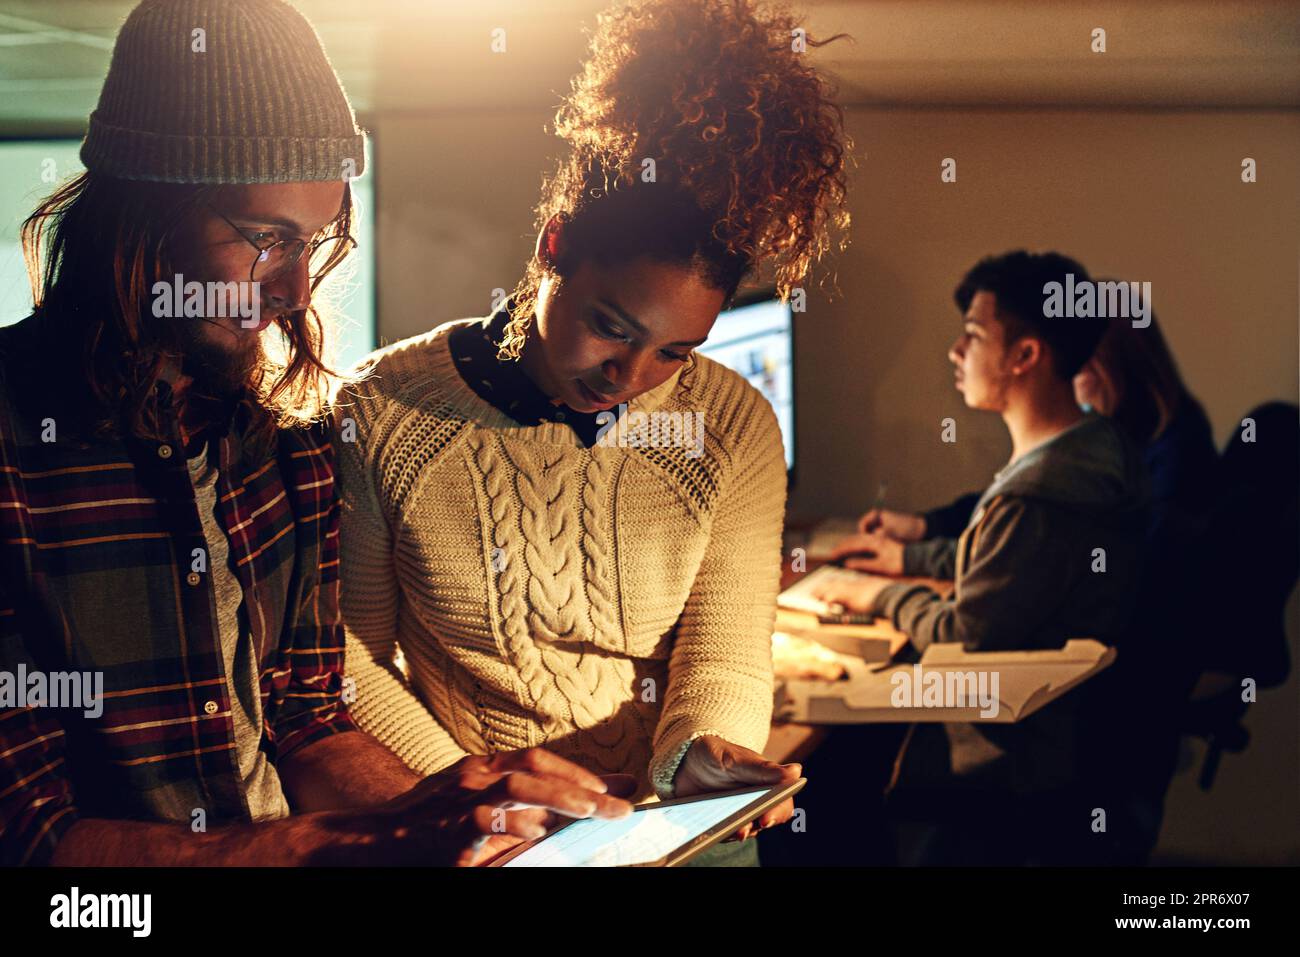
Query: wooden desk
795	742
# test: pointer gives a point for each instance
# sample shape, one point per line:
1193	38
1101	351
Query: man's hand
481	806
870	552
712	764
900	526
464	815
856	596
622	785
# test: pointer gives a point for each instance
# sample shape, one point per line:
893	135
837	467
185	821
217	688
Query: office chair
1257	521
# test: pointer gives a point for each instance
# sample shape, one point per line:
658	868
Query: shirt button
192	578
210	707
560	416
164	451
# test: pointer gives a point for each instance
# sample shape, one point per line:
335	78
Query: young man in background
1052	552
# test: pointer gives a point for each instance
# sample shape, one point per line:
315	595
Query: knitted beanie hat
222	91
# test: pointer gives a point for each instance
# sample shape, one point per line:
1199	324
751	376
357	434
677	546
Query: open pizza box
948	684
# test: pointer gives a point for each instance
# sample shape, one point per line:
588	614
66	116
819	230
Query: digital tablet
659	834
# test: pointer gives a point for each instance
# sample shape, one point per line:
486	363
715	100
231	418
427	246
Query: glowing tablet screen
641	837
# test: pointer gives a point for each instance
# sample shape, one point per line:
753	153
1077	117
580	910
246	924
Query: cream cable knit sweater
612	604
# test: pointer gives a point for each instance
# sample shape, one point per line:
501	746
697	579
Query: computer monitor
756	338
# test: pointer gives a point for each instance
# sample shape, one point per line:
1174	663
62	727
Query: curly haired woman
544	585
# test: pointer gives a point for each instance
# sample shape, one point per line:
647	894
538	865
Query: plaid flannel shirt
97	574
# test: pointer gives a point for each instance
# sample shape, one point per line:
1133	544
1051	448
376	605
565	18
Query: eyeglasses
277	258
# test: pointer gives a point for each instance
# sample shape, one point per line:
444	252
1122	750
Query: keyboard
798	597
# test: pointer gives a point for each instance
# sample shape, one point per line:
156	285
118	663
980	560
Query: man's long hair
94	249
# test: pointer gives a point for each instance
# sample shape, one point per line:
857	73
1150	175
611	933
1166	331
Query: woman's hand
870	552
900	526
713	764
857	596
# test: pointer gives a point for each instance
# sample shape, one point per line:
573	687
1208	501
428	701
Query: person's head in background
203	163
1010	357
1133	379
702	147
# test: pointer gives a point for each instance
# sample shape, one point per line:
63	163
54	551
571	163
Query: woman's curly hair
747	143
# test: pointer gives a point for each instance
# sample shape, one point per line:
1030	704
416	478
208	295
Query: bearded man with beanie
168	512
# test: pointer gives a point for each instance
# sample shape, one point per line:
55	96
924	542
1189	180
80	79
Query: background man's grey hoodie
1025	578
